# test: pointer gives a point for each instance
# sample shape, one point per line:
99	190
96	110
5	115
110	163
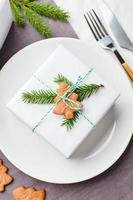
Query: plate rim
80	179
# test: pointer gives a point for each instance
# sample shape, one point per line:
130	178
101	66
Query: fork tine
105	31
91	28
94	26
99	28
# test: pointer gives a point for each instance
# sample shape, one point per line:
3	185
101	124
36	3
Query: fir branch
61	78
85	91
69	123
49	10
33	10
39	97
37	22
18	15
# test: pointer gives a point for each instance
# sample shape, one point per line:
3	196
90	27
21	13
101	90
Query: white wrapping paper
61	61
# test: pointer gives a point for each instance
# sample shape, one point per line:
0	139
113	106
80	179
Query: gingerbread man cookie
22	193
5	179
61	108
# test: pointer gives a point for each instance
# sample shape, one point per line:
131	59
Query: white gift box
61	61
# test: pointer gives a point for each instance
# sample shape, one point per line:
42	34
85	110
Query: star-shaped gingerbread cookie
5	179
22	193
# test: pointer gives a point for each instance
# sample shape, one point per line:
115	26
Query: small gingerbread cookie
22	193
61	108
5	179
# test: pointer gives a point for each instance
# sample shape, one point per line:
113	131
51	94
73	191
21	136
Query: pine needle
38	23
18	15
69	123
49	10
85	91
61	78
39	97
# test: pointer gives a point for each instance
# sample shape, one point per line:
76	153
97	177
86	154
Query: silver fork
103	38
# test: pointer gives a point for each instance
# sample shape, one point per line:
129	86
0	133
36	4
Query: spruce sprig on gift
61	78
39	97
33	11
48	96
85	91
69	123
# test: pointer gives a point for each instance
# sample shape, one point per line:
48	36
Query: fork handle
124	64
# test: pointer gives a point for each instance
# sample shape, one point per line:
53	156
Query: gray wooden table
114	184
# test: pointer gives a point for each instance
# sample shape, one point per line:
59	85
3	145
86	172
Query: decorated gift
63	101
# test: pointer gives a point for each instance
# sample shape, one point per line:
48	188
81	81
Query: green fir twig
37	22
39	97
18	15
69	123
49	10
61	78
33	11
85	91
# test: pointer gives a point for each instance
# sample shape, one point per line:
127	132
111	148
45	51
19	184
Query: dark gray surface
115	184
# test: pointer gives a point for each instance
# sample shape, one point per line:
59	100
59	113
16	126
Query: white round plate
34	156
